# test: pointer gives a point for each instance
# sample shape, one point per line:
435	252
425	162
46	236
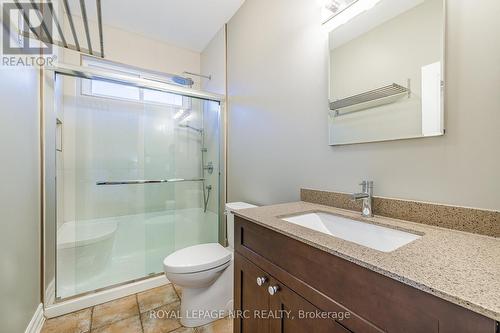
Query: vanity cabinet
336	295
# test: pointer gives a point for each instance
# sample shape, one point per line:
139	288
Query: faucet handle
367	186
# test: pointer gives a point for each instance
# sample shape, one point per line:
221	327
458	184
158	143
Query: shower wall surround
111	139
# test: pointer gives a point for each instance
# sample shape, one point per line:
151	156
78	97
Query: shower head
185	81
192	128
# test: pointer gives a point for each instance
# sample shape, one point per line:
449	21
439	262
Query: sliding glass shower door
137	178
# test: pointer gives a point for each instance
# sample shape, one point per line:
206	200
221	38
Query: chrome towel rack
380	96
149	181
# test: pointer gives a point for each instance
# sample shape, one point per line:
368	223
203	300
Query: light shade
331	8
345	10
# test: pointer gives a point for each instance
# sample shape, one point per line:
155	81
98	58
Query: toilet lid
196	258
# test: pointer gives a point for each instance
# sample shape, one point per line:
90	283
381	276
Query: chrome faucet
367	196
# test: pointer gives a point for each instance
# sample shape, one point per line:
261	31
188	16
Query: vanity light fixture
339	12
331	8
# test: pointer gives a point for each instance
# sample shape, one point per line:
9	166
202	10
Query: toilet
205	273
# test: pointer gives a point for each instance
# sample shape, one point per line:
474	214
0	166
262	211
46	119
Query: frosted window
103	88
123	91
162	97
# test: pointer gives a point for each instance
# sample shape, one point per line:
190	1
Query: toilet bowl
205	273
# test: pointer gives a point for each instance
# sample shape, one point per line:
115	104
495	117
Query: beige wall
136	50
278	93
213	62
19	198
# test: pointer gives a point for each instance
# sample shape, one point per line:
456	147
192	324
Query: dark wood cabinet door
250	299
293	314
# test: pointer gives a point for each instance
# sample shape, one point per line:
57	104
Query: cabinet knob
273	290
261	280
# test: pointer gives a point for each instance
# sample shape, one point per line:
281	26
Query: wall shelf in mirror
370	99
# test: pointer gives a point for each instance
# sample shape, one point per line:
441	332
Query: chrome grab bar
151	181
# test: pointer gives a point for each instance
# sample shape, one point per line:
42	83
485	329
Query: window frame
118	68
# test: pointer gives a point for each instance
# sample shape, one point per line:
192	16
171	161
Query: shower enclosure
136	172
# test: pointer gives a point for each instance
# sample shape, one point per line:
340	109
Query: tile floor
133	314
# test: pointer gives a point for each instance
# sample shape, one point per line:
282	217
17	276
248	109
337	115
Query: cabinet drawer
376	301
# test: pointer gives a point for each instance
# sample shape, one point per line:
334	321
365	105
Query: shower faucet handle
209	167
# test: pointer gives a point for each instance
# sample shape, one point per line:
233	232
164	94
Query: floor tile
184	330
224	325
114	311
129	325
76	322
162	320
154	298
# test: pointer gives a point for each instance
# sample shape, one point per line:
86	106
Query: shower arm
208	77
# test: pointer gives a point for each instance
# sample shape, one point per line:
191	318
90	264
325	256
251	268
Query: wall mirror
386	60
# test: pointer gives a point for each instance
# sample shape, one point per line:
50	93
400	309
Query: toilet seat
197	258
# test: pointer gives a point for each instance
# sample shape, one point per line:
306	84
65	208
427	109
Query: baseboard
36	323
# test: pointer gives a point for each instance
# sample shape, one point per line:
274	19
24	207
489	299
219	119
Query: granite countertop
460	267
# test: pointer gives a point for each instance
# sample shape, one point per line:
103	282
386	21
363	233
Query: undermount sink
362	233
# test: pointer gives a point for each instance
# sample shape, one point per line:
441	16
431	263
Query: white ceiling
189	24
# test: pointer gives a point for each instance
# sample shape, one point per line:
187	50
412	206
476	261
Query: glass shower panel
176	148
137	182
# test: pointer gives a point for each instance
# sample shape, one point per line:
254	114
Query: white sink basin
366	234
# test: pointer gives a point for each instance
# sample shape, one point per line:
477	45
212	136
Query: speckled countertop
460	267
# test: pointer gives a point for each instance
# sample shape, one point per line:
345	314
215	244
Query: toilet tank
230	208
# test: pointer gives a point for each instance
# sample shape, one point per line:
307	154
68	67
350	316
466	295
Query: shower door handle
149	181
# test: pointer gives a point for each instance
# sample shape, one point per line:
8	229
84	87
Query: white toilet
205	273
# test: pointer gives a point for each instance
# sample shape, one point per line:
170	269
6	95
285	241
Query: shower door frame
98	74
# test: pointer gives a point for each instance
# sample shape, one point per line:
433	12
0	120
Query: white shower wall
111	139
